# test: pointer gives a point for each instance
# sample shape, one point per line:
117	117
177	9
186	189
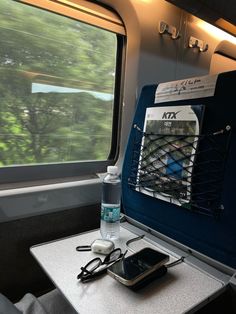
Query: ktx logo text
170	115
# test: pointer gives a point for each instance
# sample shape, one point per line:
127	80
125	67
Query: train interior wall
150	58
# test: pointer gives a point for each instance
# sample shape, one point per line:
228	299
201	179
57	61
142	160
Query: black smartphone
136	267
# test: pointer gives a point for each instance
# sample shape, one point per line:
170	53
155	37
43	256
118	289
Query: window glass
57	78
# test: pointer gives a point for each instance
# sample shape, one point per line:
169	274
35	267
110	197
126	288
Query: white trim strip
91	13
47	187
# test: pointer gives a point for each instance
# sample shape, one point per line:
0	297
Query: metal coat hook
197	43
204	48
165	28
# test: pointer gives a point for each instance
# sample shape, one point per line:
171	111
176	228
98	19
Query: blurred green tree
54	124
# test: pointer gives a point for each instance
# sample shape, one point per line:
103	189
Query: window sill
39	185
20	202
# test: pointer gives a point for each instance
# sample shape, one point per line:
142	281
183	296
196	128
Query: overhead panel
220	13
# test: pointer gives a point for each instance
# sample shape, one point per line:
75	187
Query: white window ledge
36	200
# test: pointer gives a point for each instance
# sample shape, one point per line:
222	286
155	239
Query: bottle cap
112	169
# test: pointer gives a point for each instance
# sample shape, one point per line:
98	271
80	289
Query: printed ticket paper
196	87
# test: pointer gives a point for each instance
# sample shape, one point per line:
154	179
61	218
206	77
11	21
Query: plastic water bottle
110	206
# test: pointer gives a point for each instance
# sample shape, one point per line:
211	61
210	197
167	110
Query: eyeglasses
97	267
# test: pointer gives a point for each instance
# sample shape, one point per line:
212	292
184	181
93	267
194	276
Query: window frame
71	171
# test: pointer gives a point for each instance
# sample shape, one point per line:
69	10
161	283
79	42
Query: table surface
179	291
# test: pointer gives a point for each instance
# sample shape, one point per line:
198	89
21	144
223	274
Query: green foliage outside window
70	117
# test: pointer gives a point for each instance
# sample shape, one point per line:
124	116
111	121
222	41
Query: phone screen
139	263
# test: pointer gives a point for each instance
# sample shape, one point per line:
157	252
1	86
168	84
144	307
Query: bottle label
110	214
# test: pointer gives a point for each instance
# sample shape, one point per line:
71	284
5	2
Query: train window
59	90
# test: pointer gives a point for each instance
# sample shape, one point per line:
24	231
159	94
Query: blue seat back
212	235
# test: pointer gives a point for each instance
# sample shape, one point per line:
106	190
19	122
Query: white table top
182	288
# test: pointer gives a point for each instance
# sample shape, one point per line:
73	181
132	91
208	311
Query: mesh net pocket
186	170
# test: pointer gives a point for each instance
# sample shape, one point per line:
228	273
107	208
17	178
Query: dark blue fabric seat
210	235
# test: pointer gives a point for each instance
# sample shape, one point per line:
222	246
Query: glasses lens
93	264
113	256
102	269
89	268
